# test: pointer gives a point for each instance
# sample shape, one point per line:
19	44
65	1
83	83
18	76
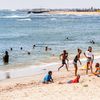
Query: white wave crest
24	19
15	16
53	19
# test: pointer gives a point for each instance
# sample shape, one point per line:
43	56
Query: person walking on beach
77	58
64	57
6	58
90	57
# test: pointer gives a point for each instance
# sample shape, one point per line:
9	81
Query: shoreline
37	69
51	59
74	12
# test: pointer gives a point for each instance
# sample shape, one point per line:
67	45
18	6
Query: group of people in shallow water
64	57
6	55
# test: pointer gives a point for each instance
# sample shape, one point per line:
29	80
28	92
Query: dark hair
79	50
89	47
64	51
6	52
97	65
49	72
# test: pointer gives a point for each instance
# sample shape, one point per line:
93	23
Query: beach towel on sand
85	67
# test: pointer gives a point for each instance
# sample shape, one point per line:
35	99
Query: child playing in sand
64	57
90	57
77	58
76	80
48	78
97	72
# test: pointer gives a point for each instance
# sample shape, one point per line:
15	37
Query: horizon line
45	8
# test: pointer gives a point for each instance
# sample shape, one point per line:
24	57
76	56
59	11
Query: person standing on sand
90	57
64	57
77	58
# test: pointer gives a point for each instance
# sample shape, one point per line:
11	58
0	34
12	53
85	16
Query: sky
29	4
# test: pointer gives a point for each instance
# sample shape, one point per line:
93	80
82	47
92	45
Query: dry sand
74	13
31	88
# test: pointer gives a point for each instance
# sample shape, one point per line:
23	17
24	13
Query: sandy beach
75	12
25	82
31	88
50	50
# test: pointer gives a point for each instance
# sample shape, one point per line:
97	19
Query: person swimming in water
46	48
34	46
64	57
92	41
21	48
11	49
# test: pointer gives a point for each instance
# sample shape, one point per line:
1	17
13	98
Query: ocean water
19	29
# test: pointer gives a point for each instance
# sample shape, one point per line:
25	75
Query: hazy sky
19	4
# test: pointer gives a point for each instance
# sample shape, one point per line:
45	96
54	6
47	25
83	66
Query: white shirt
89	54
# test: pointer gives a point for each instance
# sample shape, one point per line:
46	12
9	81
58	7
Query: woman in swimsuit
77	58
90	57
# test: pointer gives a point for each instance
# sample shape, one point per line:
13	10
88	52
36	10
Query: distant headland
65	11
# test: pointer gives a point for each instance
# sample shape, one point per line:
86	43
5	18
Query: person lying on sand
76	80
97	71
48	78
